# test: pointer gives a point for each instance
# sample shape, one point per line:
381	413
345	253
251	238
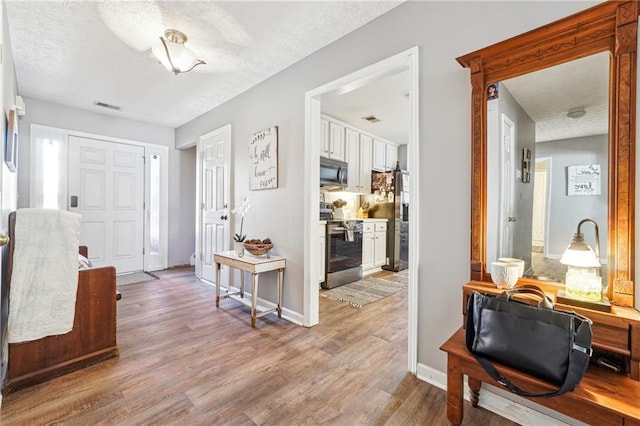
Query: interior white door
539	220
213	198
507	181
106	186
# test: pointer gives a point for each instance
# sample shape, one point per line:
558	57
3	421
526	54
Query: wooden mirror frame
610	26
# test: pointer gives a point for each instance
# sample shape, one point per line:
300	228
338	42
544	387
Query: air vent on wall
106	105
371	118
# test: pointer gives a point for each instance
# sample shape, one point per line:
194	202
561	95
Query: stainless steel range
344	252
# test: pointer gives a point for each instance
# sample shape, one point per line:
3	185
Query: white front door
106	186
213	174
507	182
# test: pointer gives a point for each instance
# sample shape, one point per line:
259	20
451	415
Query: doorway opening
405	61
119	186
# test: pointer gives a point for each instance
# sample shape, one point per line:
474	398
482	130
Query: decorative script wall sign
583	180
263	159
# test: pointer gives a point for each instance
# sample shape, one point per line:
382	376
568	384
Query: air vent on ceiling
106	105
371	118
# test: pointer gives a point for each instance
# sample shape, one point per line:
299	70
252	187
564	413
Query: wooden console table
254	265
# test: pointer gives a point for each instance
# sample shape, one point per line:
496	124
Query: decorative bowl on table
258	247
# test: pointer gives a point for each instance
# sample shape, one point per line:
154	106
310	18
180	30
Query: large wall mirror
553	134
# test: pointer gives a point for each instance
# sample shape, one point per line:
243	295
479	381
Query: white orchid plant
241	209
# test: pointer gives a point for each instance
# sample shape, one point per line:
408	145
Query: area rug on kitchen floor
134	277
363	292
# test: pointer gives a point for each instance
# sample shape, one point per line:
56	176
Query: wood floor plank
184	361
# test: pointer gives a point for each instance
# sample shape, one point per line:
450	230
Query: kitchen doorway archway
405	61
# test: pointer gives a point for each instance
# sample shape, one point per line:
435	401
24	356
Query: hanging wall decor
526	165
11	141
583	180
263	159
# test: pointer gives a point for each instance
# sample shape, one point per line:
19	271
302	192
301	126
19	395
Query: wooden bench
602	397
92	339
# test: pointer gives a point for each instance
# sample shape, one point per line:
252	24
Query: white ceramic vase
239	248
518	262
505	274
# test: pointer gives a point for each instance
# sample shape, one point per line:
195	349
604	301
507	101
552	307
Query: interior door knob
4	239
512	219
223	217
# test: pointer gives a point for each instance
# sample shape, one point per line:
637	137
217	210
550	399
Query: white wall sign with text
583	180
263	159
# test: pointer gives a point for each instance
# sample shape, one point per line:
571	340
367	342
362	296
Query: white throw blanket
44	280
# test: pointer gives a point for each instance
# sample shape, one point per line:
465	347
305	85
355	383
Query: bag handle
545	301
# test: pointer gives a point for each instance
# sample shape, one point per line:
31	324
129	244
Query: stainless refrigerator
396	211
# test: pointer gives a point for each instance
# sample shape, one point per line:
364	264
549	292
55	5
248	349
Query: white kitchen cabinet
385	155
391	156
358	158
324	138
365	163
374	244
380	244
352	157
368	242
379	155
335	143
323	249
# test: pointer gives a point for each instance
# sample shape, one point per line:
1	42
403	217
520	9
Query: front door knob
4	239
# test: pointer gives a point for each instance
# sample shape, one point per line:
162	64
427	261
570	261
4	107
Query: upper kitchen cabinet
358	157
385	155
332	140
324	139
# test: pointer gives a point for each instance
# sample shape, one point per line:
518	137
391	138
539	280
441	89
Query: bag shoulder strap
578	361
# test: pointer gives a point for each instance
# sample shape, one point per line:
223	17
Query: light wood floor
185	362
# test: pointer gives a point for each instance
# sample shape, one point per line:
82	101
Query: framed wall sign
11	141
583	180
263	159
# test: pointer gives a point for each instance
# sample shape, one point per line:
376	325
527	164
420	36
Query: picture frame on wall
263	159
11	141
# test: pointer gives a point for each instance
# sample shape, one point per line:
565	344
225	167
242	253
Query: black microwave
333	174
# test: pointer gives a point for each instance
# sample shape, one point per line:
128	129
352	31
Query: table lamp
583	283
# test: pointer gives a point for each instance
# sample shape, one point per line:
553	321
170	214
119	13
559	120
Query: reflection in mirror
547	163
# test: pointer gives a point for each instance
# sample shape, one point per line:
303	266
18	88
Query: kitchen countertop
374	219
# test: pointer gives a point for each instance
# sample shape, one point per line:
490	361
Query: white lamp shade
582	258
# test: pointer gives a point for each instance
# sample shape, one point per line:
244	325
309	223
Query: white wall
567	211
443	31
181	216
9	182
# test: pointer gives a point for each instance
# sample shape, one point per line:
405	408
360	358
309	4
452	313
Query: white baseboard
514	408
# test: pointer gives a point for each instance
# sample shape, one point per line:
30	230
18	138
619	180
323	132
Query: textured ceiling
78	52
548	95
385	98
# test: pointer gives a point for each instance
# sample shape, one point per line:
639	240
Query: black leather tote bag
537	339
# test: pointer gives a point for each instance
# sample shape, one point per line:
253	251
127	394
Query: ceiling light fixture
173	54
576	113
